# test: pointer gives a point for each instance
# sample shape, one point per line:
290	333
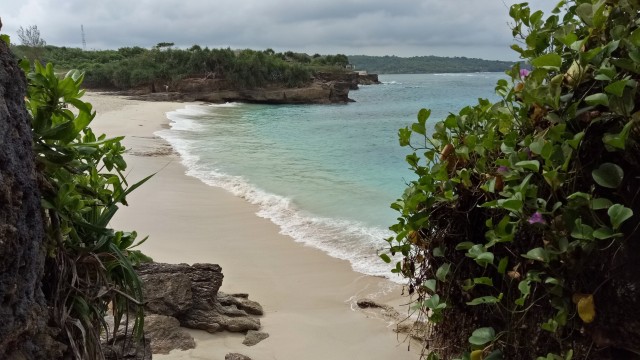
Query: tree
30	38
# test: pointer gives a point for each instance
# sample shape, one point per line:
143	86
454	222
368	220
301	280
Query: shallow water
326	174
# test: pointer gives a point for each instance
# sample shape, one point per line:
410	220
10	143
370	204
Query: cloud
472	28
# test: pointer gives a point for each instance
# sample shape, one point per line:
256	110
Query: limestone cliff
23	313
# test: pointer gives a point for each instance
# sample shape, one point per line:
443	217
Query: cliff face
23	314
219	91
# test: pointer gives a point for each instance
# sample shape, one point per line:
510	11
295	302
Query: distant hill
425	64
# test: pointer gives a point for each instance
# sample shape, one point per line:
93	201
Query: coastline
308	296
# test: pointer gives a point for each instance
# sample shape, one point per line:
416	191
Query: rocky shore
325	88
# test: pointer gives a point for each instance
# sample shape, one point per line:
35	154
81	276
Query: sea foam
349	240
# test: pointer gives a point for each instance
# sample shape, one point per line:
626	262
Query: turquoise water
326	174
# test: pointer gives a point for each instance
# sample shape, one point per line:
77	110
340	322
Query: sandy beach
308	296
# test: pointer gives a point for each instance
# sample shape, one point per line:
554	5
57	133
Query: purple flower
536	218
502	169
524	73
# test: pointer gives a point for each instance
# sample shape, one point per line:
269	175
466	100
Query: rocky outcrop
216	91
254	337
194	299
23	312
368	79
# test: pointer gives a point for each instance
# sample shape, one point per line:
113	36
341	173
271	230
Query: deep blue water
326	174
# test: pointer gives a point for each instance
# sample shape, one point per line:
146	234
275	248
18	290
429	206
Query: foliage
426	64
88	265
550	174
132	67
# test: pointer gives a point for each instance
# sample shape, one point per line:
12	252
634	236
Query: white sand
308	296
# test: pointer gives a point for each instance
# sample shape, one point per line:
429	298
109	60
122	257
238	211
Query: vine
521	214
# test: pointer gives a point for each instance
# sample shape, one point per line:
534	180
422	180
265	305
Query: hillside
425	64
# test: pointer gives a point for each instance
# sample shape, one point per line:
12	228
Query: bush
519	237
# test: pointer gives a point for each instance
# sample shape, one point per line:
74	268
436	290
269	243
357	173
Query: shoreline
308	296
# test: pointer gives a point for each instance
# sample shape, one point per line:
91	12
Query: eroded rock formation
189	293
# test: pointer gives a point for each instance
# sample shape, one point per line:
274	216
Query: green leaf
538	254
485	259
608	175
619	214
482	336
604	233
582	231
465	245
634	38
423	116
533	165
616	88
597	99
484	300
502	266
443	271
548	61
600	203
385	258
430	284
483	281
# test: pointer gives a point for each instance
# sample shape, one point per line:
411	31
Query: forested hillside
425	64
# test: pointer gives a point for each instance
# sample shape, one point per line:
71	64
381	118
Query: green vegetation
132	67
88	266
425	64
519	238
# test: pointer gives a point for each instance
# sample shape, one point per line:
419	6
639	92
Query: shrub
519	237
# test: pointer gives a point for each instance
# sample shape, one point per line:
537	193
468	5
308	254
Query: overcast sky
471	28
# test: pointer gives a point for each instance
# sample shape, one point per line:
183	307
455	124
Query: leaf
634	38
482	336
385	258
533	165
582	231
476	355
430	284
502	266
538	254
619	214
608	175
443	271
600	203
484	300
483	281
586	307
548	61
597	99
423	116
604	233
616	88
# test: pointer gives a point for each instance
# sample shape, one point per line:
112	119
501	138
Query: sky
471	28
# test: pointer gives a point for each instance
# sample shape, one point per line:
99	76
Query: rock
321	90
236	356
23	306
204	308
166	334
170	298
242	302
254	337
124	347
385	310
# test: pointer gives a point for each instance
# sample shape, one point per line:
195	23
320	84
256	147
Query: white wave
348	240
227	104
391	83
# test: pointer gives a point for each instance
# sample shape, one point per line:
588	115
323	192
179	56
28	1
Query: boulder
166	334
254	337
198	304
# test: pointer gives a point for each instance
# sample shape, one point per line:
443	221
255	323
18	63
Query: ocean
325	174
